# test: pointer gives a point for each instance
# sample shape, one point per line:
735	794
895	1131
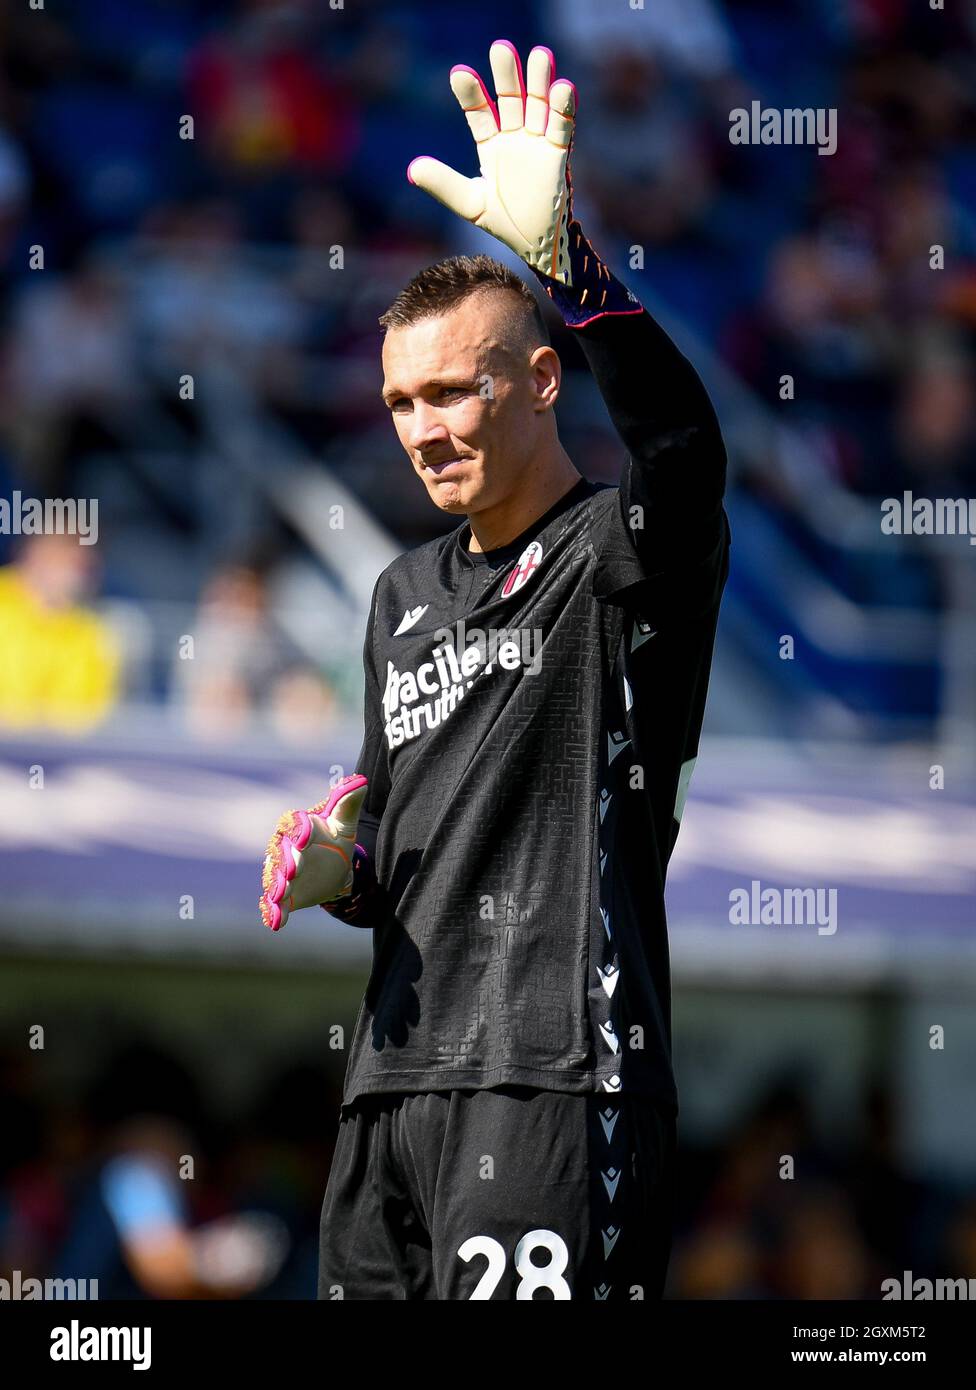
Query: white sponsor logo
452	670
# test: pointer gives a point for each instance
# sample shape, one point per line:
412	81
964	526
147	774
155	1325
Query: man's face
465	405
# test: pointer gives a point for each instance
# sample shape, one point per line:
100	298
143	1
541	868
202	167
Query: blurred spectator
132	1226
689	34
62	663
14	186
720	1259
641	161
959	1242
131	1229
69	371
934	448
200	300
33	1197
760	1231
270	113
243	669
822	1253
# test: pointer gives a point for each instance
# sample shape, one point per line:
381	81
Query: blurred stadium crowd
849	1220
215	258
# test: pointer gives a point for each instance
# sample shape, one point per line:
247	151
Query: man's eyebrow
459	379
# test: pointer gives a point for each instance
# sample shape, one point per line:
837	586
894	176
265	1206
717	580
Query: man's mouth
444	466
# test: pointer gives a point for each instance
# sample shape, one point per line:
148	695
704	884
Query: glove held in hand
310	855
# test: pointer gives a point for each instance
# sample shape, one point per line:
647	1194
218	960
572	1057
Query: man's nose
425	427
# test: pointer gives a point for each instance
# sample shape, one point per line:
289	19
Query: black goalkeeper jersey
532	717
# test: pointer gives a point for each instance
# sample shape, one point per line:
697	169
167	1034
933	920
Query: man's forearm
653	394
655	400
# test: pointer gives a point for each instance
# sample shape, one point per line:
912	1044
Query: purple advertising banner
805	865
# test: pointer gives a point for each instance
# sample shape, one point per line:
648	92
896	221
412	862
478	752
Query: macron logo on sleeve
411	616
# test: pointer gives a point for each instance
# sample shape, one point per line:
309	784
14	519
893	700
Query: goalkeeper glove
524	196
309	859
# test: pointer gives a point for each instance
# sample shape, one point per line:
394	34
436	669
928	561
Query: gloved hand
523	196
309	858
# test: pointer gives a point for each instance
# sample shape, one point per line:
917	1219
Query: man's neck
502	524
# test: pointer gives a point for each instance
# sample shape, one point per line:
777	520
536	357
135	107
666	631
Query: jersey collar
504	554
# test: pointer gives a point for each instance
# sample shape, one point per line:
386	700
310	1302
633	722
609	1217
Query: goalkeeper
535	688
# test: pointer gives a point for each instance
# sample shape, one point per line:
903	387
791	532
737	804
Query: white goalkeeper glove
523	196
309	860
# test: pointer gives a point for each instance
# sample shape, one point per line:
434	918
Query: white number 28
531	1276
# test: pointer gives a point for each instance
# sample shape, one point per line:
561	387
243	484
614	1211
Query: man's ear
546	376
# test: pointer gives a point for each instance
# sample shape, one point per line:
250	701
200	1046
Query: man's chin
450	497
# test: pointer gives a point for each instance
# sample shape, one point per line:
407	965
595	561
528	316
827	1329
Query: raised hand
524	193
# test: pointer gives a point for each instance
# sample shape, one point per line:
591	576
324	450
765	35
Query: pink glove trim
507	43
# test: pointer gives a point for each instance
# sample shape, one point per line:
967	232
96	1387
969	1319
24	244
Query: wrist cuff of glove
350	905
594	292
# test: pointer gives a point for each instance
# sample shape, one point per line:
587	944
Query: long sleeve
670	526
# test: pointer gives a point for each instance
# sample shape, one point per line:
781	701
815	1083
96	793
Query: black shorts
508	1193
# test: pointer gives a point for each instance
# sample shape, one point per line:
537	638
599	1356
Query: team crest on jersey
528	563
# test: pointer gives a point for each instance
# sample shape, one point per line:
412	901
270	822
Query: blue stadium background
254	258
